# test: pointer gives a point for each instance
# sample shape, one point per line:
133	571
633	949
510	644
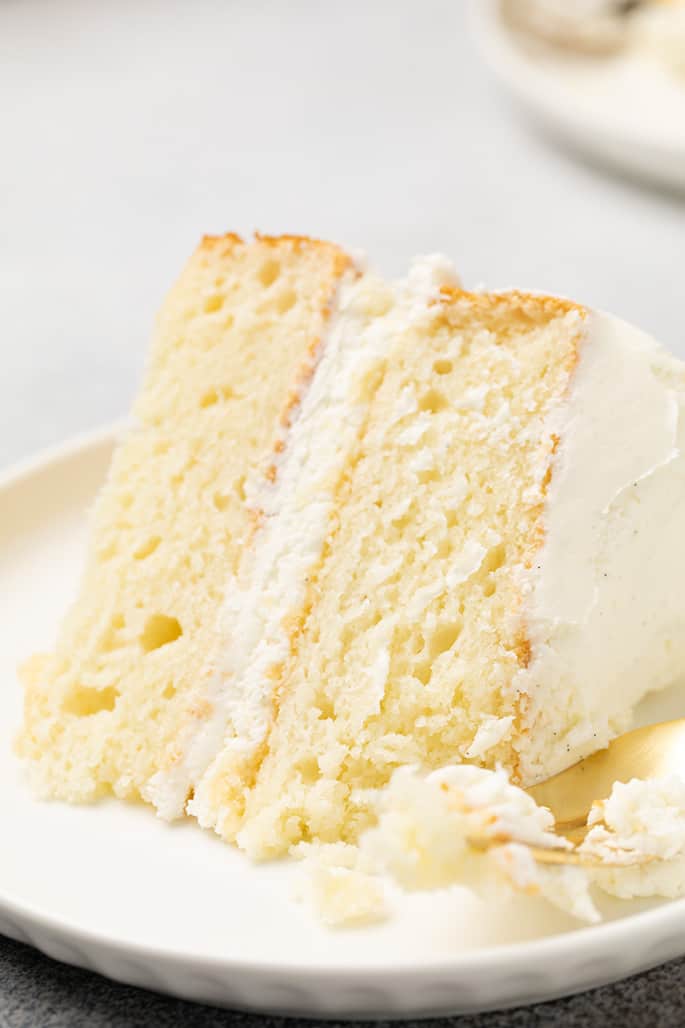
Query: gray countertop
36	992
126	131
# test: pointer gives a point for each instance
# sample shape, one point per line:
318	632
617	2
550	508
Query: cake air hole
325	706
107	552
286	300
269	272
304	832
495	558
442	367
492	563
444	548
214	394
148	548
371	381
111	637
402	522
348	634
84	701
458	697
309	770
444	637
209	398
159	630
417	642
213	303
169	692
433	401
220	501
423	672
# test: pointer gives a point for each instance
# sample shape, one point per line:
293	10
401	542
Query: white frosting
640	828
428	275
273	582
606	602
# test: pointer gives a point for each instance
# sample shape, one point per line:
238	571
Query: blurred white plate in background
626	110
169	907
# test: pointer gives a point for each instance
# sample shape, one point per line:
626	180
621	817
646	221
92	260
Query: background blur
128	129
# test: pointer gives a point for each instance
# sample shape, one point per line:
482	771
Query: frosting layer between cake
294	514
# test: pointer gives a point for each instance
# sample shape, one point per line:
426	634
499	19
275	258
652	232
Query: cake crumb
345	898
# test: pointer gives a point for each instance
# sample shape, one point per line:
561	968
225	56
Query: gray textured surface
128	130
39	993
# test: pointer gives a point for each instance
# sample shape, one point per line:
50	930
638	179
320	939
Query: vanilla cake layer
235	347
495	574
265	597
361	526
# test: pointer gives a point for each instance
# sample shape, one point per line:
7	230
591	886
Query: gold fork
649	752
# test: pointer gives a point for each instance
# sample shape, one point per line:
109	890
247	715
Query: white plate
627	110
110	887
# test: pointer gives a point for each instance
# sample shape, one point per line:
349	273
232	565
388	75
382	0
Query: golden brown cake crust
228	240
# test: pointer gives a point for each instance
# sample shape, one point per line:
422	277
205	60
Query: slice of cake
362	526
234	350
496	572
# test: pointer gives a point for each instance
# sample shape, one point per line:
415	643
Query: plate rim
478	959
584	127
662	926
